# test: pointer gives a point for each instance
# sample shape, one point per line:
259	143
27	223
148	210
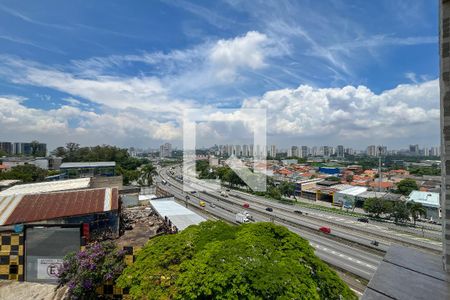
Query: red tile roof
40	207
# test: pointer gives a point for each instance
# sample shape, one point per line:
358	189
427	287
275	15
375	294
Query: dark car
298	212
269	209
364	220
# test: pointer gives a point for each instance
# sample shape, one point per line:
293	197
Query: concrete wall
104	182
444	83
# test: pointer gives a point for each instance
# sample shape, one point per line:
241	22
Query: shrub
84	271
214	260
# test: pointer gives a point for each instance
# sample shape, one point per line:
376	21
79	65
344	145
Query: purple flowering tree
88	269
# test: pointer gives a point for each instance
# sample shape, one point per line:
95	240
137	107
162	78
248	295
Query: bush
215	260
84	271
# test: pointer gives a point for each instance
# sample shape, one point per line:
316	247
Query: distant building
87	169
414	149
304	152
165	150
6	147
273	151
371	150
213	161
428	200
340	151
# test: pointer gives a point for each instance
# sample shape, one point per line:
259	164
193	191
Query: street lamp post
187	200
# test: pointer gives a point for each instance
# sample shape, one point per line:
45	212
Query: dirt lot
140	224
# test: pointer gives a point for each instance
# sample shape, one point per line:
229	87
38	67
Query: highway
359	261
343	226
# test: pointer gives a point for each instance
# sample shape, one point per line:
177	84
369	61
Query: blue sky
328	72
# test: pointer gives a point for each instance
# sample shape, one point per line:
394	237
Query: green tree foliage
26	173
126	165
400	212
416	210
333	178
420	171
377	206
147	173
215	260
274	193
406	186
287	188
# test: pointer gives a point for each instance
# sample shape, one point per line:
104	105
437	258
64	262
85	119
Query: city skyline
125	79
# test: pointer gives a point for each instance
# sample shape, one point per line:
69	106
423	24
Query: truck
241	218
248	215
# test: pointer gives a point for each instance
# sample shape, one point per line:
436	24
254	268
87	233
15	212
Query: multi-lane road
343	250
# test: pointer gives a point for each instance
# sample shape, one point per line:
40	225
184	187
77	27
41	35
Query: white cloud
19	122
227	56
409	111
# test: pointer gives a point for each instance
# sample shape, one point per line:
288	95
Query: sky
123	73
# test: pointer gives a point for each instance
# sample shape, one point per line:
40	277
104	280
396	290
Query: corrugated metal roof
45	187
17	209
94	164
425	198
353	191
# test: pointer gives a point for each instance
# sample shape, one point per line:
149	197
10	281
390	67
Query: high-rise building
165	150
304	152
273	151
326	151
295	151
340	151
434	151
289	152
414	149
6	147
371	150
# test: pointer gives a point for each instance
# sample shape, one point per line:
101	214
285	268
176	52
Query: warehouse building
429	200
47	187
97	207
87	169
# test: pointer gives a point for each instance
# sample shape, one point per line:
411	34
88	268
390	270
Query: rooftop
17	209
409	274
8	182
425	198
94	164
353	191
179	215
45	187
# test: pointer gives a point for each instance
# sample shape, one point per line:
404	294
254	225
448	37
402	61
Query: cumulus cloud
17	121
227	56
353	113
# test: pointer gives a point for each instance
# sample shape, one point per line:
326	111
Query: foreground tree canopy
215	260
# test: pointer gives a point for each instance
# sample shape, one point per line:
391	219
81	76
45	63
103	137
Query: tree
400	212
406	186
377	206
34	148
274	193
214	260
416	210
59	152
26	173
147	173
287	188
